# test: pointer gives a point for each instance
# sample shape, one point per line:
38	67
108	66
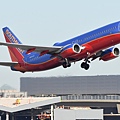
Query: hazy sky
44	22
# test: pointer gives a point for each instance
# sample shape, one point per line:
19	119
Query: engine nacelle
70	50
110	54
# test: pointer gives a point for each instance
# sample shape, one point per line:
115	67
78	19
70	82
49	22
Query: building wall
71	85
64	114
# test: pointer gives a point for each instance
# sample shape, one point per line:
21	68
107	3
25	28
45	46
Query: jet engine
70	50
110	54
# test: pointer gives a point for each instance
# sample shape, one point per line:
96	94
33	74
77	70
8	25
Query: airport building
71	85
94	92
63	98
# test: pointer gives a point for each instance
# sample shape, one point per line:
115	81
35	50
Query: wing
30	48
8	63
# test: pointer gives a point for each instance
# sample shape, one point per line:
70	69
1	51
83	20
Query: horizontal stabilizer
8	63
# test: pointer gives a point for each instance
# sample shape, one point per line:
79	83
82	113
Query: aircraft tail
16	54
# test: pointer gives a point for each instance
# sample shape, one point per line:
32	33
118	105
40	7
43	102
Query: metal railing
91	97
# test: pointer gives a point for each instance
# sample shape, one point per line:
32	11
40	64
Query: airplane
99	43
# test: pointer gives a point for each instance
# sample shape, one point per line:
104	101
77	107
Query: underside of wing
30	48
8	63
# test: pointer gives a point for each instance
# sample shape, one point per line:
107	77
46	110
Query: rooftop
18	104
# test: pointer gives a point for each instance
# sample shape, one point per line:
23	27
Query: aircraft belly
52	63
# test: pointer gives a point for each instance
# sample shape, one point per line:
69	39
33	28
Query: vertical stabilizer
16	54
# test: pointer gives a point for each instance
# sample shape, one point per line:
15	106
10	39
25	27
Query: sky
45	22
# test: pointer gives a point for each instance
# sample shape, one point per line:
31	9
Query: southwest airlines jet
87	47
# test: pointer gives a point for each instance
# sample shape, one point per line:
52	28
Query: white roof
9	104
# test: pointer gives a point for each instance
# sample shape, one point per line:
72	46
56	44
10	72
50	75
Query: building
71	85
7	91
80	114
96	92
26	108
12	93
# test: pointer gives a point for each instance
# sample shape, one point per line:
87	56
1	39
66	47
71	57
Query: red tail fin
16	54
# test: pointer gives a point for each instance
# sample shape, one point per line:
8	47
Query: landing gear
66	63
85	65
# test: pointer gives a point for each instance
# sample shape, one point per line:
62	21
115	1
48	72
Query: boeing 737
99	43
